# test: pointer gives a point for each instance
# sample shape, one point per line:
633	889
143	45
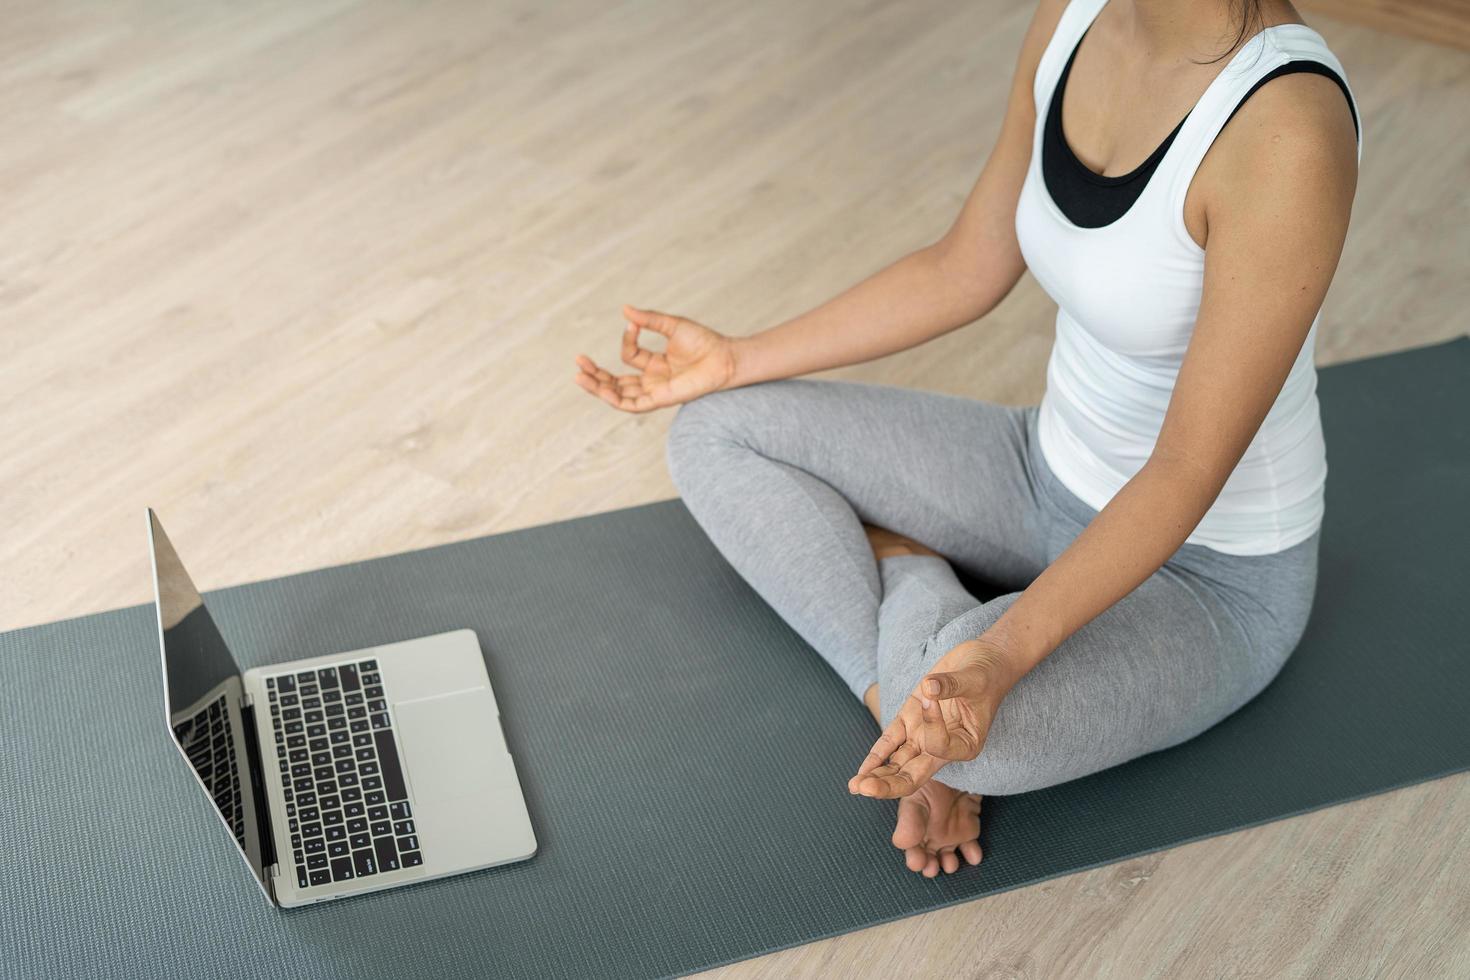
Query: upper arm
981	244
1277	204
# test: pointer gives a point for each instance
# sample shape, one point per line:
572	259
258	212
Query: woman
1154	520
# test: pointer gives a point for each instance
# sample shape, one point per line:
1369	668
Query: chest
1134	284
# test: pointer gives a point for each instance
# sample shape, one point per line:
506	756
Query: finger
653	320
632	354
597	389
934	735
971	851
904	753
967	682
618	396
887	782
591	368
892	737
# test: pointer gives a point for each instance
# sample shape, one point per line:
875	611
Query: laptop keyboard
210	747
346	802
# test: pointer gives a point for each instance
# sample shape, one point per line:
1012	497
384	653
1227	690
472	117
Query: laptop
342	774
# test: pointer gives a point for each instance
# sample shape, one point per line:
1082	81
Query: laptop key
316	861
300	877
364	863
360	840
382	828
337	848
347	674
357	825
342	869
322	877
412	859
401	810
387	853
388	759
408	843
403	827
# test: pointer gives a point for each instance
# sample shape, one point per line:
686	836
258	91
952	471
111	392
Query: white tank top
1127	295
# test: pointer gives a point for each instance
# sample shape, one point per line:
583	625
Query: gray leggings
782	475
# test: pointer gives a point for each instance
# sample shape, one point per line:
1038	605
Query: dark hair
1250	13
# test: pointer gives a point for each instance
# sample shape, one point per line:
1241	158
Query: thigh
949	472
1158	667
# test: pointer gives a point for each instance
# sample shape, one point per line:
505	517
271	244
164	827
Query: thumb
967	682
653	320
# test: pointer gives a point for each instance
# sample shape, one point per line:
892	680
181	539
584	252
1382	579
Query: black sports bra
1091	200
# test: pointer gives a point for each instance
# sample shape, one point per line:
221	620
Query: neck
1170	31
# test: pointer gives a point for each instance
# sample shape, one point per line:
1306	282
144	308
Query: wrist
1003	662
742	362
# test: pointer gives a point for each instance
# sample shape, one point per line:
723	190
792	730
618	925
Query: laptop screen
202	697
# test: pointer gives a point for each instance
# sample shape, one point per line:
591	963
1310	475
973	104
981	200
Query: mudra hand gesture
945	719
695	361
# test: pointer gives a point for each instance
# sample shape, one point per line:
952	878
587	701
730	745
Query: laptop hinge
257	786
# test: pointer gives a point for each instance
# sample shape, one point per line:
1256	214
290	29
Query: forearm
916	299
1130	538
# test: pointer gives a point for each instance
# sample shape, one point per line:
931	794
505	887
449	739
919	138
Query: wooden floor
308	277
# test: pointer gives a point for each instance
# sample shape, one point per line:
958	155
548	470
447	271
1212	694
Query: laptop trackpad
466	797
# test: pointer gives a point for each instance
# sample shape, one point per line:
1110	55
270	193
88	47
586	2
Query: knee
708	426
999	770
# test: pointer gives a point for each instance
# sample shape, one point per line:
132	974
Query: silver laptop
343	774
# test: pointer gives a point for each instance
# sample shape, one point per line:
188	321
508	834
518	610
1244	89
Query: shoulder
1294	137
1044	21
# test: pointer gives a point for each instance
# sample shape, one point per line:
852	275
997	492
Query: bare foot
938	825
886	544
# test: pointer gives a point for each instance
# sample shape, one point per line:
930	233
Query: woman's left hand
945	719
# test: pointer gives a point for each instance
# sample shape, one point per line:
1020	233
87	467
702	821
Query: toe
971	850
913	818
931	868
949	861
915	858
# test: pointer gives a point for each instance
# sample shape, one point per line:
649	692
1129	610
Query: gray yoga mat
685	755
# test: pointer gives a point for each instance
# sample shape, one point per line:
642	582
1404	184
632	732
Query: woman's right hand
695	361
